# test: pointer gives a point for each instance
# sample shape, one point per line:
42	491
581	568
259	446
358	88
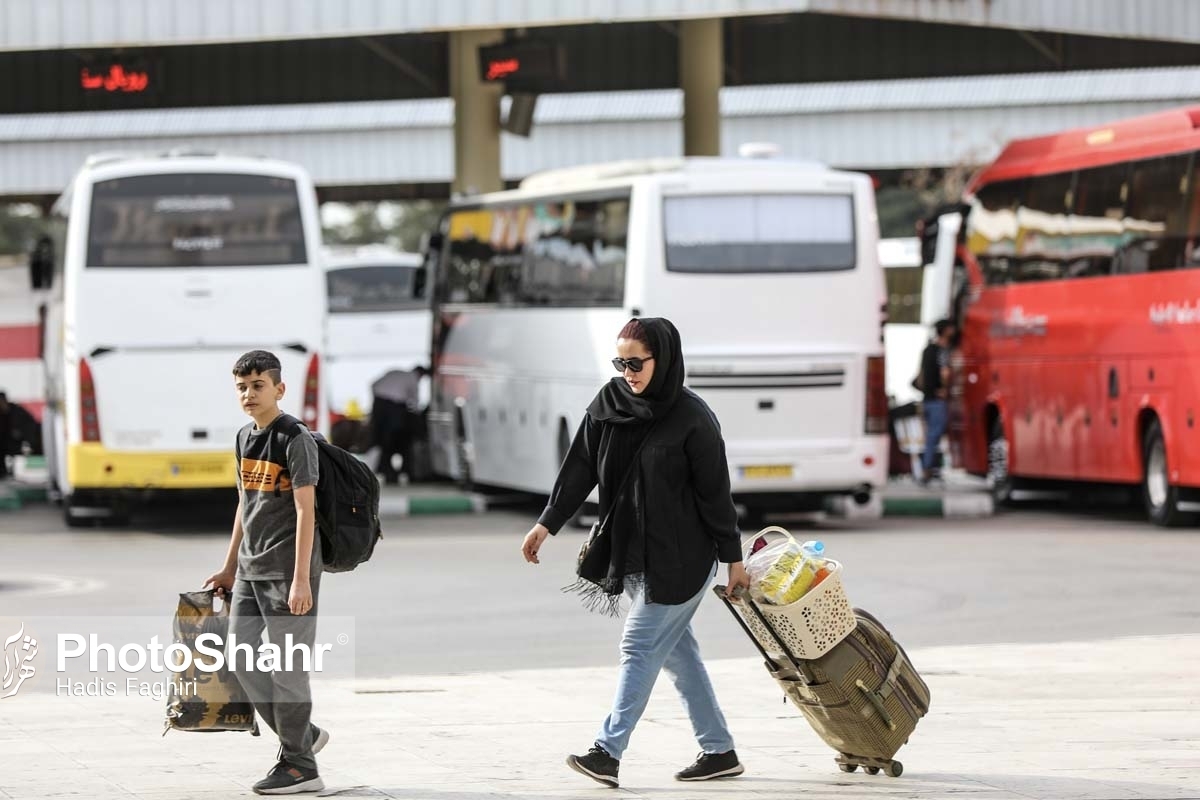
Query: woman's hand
738	579
533	542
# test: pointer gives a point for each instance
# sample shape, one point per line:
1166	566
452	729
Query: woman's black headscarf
628	418
617	404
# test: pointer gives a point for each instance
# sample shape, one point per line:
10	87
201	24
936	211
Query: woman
664	530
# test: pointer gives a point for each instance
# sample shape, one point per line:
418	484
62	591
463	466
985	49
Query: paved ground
1020	622
1050	722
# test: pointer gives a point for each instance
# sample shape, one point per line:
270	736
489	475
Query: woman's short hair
634	329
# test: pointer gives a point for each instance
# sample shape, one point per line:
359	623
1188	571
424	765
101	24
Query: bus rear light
89	414
312	386
876	417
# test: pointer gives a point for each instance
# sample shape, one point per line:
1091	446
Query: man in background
935	384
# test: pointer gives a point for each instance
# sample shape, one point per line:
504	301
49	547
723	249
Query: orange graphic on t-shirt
264	476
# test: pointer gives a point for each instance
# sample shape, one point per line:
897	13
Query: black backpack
347	505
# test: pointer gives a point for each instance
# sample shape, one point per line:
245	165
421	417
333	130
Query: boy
273	567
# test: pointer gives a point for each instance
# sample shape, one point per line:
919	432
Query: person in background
935	384
6	434
396	420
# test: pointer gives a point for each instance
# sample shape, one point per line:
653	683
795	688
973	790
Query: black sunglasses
635	364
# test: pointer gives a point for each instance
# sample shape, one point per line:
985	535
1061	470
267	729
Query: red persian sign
117	79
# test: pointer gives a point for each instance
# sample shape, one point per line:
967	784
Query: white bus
163	270
770	270
376	323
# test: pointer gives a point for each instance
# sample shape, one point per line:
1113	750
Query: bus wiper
101	351
296	347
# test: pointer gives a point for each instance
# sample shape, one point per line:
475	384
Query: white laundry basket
811	626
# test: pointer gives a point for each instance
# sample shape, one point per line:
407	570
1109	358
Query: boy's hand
300	598
533	542
221	581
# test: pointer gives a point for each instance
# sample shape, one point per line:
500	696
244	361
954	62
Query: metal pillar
476	115
701	69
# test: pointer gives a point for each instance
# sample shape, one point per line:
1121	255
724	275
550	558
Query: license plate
198	468
767	471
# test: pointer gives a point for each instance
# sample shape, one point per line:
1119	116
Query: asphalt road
451	594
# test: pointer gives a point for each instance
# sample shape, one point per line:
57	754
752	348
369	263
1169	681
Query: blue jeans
937	416
658	636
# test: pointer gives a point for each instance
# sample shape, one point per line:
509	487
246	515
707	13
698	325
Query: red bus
1078	303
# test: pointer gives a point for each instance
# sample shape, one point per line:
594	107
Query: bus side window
1156	216
993	223
464	270
1097	225
578	258
1042	241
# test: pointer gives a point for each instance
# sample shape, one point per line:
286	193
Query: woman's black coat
682	501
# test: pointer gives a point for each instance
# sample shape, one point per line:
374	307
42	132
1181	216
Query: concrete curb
965	505
9	499
414	505
14	495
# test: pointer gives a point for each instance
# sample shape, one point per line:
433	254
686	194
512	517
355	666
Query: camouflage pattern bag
208	701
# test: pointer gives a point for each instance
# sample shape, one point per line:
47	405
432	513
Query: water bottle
815	550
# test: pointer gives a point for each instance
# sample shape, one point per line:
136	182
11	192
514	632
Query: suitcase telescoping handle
742	597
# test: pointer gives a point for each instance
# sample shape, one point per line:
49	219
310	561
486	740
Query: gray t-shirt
274	461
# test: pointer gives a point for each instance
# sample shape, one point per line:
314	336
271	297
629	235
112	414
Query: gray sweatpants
282	698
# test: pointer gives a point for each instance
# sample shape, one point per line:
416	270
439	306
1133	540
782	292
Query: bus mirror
420	279
41	264
431	246
431	240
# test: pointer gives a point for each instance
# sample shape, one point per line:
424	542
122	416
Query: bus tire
466	481
578	519
1160	498
69	517
999	480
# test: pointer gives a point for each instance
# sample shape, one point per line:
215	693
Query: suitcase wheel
871	766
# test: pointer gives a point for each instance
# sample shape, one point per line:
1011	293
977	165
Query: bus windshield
195	220
372	288
759	233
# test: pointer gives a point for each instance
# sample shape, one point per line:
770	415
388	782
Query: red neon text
501	68
115	80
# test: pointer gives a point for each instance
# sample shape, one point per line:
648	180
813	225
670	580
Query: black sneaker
284	778
597	765
712	765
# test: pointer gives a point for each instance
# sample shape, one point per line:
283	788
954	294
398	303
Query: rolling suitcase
863	696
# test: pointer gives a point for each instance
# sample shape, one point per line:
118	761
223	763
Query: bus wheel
91	510
999	481
70	518
466	481
1159	496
